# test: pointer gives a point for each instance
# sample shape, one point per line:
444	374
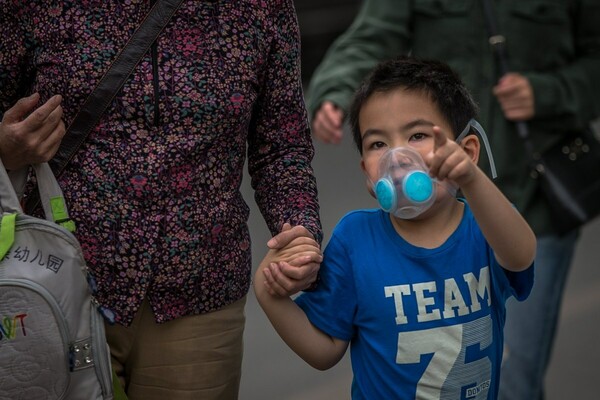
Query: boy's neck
433	230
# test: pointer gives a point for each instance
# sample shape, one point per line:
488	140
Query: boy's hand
300	261
302	256
298	275
286	279
449	161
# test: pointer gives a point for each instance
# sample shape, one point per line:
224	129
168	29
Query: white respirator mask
404	187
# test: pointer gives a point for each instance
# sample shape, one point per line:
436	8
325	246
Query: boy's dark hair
435	78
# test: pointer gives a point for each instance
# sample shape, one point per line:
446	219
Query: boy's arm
315	347
504	228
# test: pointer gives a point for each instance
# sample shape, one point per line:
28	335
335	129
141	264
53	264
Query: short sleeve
332	306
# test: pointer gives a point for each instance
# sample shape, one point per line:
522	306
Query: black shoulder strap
555	185
112	81
110	84
498	43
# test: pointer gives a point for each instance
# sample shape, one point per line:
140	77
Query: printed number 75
447	374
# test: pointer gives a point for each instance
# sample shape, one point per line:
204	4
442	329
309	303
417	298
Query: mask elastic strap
486	143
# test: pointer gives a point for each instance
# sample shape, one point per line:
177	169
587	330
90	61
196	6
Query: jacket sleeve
280	148
379	31
570	92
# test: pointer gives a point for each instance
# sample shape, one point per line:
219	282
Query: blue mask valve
418	186
386	194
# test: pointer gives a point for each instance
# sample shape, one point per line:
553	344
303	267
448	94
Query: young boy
418	293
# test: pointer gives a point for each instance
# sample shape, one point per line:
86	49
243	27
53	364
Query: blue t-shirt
423	323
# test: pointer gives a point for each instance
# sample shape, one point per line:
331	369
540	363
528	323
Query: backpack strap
51	197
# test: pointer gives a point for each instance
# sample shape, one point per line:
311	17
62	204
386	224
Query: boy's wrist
313	286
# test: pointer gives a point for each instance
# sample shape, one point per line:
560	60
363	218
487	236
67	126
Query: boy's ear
471	146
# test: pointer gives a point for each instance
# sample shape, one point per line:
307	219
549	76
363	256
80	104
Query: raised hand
448	160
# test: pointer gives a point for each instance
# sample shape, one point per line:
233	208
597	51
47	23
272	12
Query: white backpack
52	340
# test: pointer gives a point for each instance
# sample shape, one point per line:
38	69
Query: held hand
292	243
297	247
515	95
30	135
327	123
286	279
449	161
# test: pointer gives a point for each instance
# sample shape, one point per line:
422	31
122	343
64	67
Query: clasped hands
292	262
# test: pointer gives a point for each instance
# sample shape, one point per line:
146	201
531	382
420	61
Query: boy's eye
418	136
377	145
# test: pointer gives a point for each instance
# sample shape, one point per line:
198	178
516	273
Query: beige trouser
193	357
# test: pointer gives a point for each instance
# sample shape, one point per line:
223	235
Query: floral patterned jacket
155	190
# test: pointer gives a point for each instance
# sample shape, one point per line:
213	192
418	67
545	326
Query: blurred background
321	21
273	372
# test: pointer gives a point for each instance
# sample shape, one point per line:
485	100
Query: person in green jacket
554	55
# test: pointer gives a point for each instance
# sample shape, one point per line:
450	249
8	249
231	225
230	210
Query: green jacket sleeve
379	31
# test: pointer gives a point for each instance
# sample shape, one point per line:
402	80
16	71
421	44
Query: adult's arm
379	31
280	148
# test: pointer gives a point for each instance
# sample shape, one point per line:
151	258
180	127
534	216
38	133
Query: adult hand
292	277
287	235
327	123
515	95
30	135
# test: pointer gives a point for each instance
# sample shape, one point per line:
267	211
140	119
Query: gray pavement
272	372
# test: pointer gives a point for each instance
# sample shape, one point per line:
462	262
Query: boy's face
397	118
